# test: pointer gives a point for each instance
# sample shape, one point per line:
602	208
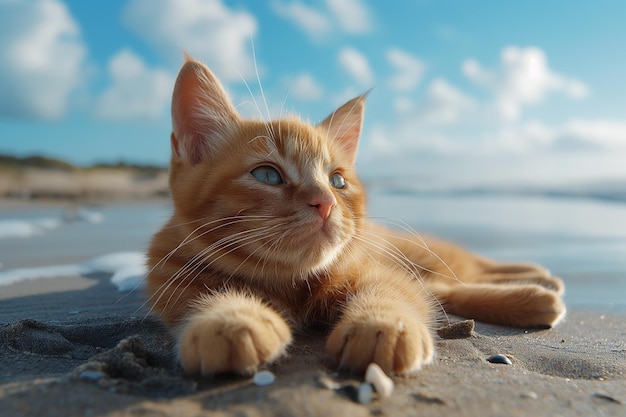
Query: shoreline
14	203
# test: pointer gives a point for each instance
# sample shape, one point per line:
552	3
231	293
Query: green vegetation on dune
35	161
45	163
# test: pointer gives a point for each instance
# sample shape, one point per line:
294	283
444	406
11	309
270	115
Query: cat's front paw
232	339
398	345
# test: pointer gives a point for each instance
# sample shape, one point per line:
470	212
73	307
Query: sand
84	349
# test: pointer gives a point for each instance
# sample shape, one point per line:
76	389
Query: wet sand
75	346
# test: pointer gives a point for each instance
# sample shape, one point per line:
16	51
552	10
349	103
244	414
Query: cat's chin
327	259
316	248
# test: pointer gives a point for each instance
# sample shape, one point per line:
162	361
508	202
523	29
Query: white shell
262	378
378	378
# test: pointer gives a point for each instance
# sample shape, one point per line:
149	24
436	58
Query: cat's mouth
321	236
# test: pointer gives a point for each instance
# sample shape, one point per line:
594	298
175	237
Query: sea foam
128	270
25	228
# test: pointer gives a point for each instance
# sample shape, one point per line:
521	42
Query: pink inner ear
174	141
350	141
202	113
344	125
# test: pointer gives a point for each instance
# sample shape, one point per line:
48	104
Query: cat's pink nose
324	205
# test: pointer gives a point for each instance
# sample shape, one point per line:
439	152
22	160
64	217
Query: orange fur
265	240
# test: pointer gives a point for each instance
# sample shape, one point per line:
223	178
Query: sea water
581	240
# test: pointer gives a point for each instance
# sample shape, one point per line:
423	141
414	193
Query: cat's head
278	198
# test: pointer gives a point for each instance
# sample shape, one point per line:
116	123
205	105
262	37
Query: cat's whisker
173	226
197	258
271	141
269	129
403	225
397	257
265	258
220	244
231	220
394	255
415	265
236	245
267	252
424	245
258	78
180	280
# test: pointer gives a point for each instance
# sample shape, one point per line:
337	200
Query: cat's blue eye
337	181
267	175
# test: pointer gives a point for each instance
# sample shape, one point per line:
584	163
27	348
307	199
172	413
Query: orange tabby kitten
269	235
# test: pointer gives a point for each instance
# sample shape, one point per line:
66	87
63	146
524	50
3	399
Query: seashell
381	382
499	359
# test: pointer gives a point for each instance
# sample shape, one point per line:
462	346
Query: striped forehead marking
306	154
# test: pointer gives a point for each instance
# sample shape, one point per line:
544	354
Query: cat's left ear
344	125
202	113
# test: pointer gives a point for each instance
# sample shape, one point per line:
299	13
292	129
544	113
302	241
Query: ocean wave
128	270
26	228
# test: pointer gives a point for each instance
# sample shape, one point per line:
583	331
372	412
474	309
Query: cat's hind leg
519	273
231	332
518	305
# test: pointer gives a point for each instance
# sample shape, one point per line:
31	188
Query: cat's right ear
202	113
344	126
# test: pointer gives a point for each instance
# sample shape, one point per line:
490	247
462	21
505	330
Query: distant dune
37	177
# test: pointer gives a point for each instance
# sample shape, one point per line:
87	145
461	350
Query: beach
76	342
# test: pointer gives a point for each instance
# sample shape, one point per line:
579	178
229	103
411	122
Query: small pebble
263	378
459	330
499	359
532	395
381	382
365	393
92	375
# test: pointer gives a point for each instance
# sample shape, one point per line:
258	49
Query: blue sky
463	92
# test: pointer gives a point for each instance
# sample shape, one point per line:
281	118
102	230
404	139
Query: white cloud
356	64
525	78
351	15
409	70
444	105
136	92
41	59
574	136
347	16
446	137
312	21
206	29
306	88
591	134
518	153
403	105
